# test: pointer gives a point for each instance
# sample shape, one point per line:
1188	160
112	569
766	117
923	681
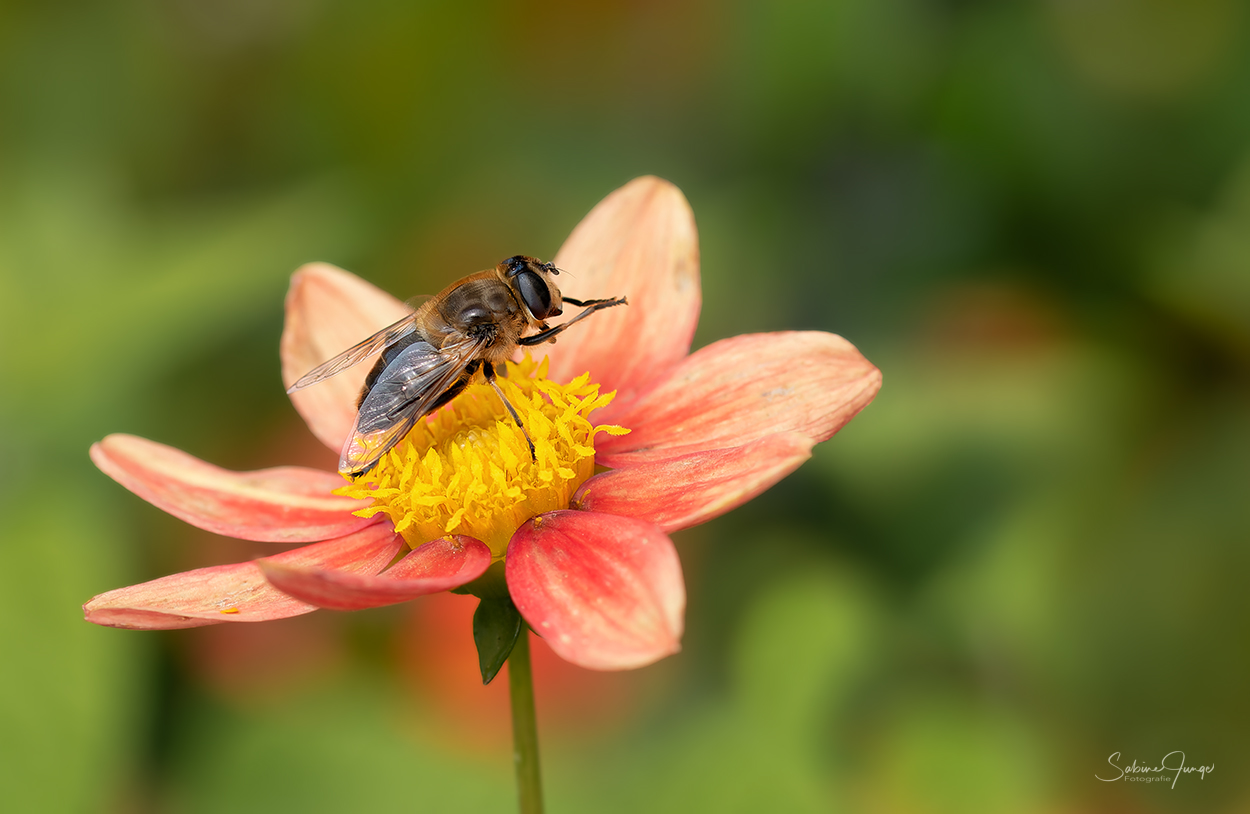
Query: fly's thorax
477	301
481	308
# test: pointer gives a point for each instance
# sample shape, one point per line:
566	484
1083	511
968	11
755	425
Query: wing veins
356	353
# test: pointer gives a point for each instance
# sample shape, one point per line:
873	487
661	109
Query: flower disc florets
467	469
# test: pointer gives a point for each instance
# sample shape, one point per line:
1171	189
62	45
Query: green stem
524	726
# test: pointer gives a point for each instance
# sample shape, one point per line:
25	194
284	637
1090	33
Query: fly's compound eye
536	296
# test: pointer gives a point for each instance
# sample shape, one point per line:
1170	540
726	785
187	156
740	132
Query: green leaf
496	625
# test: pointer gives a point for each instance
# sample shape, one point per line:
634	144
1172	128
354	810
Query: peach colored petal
606	592
690	489
327	311
286	504
238	592
437	566
743	388
639	242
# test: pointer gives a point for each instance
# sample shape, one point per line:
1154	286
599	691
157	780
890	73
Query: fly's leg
488	370
590	305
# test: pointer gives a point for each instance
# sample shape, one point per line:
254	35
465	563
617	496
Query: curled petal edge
439	565
238	592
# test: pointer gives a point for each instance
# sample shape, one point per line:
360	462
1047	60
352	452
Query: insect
429	356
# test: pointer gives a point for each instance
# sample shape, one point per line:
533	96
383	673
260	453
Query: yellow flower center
467	469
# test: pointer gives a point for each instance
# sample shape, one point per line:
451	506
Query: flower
588	562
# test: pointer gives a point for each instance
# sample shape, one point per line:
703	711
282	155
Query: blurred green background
1027	554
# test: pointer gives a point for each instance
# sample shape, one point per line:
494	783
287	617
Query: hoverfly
429	356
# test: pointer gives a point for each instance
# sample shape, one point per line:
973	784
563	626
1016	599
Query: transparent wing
406	390
356	353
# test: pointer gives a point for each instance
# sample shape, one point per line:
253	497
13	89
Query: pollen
467	469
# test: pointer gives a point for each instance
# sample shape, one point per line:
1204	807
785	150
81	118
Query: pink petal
740	389
327	311
239	592
639	242
690	489
606	592
286	504
436	566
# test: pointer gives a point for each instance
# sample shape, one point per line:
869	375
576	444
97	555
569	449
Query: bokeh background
1027	554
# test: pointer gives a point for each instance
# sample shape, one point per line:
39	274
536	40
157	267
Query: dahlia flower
581	530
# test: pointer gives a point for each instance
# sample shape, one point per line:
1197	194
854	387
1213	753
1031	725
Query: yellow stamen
467	468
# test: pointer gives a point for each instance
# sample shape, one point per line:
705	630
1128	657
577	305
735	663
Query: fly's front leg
488	370
594	303
590	305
